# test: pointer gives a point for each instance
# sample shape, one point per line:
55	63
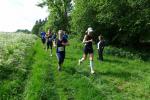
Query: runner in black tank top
88	48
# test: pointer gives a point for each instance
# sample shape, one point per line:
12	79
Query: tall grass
15	57
37	79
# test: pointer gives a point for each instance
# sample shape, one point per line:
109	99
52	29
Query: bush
120	52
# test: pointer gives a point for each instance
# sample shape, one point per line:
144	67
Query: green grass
13	84
36	80
115	78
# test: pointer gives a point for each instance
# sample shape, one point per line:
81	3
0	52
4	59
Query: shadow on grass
70	70
69	92
123	75
115	61
75	70
118	74
72	59
84	73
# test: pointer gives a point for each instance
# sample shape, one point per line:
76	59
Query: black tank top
50	38
89	44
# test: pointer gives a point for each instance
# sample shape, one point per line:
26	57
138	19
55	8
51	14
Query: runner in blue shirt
60	50
65	36
43	38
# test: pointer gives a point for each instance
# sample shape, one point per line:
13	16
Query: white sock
91	65
82	59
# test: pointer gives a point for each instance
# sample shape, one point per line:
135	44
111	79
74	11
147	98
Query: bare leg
91	62
82	59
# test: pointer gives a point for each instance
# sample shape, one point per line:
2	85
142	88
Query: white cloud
20	14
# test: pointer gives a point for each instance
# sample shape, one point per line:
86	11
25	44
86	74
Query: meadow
116	78
15	55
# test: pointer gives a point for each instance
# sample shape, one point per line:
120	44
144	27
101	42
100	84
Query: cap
89	30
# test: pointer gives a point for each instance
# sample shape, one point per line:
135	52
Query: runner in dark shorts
60	50
88	48
49	41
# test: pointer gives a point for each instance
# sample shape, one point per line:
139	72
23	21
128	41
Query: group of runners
60	41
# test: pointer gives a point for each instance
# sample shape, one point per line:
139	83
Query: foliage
82	16
59	14
15	59
123	22
39	26
120	52
23	31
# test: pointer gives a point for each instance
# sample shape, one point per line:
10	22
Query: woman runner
60	50
49	41
88	48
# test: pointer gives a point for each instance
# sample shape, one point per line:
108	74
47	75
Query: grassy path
115	78
40	81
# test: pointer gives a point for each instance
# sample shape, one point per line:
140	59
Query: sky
20	14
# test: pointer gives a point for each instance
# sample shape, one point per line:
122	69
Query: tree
39	26
23	30
123	22
120	21
59	11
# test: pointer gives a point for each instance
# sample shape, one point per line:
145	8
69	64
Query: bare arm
65	44
47	35
84	40
98	45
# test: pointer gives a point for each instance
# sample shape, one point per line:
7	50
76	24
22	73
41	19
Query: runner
65	36
60	51
43	38
88	48
49	40
54	39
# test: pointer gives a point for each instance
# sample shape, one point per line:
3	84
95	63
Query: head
60	34
49	31
89	31
64	32
100	37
